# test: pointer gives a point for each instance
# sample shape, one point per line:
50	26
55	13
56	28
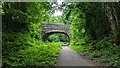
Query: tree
112	16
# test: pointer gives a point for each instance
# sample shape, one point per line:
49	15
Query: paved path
68	57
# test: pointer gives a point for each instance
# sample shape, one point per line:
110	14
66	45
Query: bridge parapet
59	27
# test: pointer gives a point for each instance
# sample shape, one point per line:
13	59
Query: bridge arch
49	29
47	34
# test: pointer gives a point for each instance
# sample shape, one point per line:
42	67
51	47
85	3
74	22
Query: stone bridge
48	29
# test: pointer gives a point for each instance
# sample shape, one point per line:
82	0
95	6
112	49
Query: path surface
68	57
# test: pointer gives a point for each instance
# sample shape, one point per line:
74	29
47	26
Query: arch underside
48	33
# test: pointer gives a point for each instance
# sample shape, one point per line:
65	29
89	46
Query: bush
102	50
37	55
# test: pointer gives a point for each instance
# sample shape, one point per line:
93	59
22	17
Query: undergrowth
103	51
28	51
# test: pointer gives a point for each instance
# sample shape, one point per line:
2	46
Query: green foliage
54	37
58	37
89	29
90	32
55	20
106	52
12	42
77	48
21	44
37	55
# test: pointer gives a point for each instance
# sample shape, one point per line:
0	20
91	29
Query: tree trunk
115	14
111	16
